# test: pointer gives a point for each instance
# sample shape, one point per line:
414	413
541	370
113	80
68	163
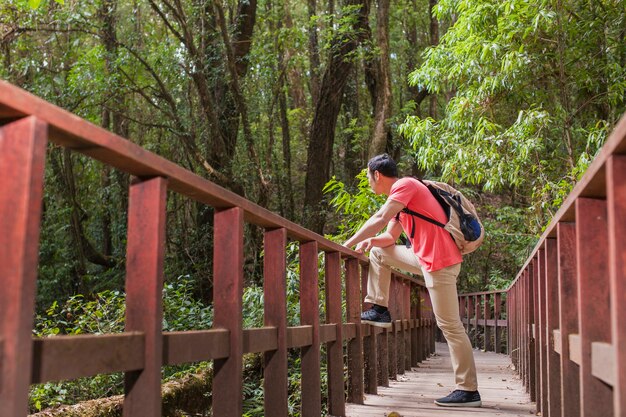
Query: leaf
60	1
34	4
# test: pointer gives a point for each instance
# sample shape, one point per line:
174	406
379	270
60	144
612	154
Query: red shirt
433	245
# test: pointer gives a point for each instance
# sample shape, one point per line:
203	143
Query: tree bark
434	40
383	104
322	134
314	56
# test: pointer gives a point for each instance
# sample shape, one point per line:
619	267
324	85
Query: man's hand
364	246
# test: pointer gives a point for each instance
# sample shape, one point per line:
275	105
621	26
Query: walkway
412	396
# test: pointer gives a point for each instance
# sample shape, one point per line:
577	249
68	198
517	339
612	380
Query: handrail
567	319
26	124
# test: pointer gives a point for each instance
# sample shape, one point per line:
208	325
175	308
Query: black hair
383	164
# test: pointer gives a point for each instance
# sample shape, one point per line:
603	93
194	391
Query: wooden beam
22	159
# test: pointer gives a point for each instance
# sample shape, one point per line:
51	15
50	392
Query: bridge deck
413	395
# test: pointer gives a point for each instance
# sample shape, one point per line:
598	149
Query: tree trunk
322	135
434	40
382	109
314	56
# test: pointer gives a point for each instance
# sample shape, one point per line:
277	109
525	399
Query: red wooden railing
26	125
482	315
567	309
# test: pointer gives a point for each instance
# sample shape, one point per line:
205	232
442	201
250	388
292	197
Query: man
433	254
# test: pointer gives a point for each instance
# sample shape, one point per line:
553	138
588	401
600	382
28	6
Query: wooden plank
487	343
370	345
616	205
497	308
260	340
383	358
22	159
348	331
309	316
574	348
227	301
413	396
552	323
145	252
69	357
568	318
300	336
542	375
328	333
406	314
275	306
334	350
195	346
355	345
593	298
392	349
535	358
556	336
603	362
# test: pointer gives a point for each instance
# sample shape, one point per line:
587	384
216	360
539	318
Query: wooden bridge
562	322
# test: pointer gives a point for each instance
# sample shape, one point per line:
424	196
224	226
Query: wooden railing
485	319
567	305
26	125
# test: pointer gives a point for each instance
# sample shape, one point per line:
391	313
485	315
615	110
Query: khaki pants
441	286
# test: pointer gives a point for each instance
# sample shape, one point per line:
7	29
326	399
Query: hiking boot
460	398
375	318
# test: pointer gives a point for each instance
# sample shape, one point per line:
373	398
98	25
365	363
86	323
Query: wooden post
145	254
355	346
309	315
535	352
487	345
275	309
568	317
593	295
415	354
552	323
470	314
227	302
497	305
393	334
406	320
370	345
334	351
22	160
541	335
616	199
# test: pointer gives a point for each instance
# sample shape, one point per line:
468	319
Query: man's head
382	172
383	164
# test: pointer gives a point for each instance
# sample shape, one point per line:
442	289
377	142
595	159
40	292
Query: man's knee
376	254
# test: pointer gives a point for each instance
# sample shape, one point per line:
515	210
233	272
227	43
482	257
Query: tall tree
345	40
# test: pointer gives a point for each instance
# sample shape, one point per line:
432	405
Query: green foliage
354	207
529	109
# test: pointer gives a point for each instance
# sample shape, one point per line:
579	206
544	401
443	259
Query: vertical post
487	316
477	318
22	160
406	320
541	334
568	317
616	199
370	345
393	336
145	254
593	298
420	329
497	305
552	323
336	399
227	303
535	353
414	328
355	346
309	315
470	314
275	297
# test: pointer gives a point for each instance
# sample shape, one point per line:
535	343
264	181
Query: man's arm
376	223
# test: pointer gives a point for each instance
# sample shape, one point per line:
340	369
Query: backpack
463	223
